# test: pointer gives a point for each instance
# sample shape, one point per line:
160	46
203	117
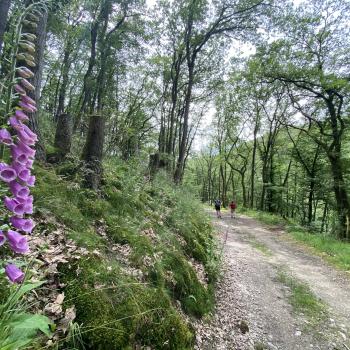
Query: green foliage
333	250
301	297
18	328
116	307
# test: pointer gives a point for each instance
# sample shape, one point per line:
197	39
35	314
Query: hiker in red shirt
233	207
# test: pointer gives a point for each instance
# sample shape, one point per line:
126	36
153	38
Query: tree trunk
252	176
182	149
63	86
93	152
341	196
4	10
63	138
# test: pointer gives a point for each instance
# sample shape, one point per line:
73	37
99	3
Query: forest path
253	294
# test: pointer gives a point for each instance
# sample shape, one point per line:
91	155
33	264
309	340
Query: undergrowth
302	299
335	251
137	300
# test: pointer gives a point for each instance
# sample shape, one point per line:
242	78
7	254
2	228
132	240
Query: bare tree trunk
63	138
4	10
93	152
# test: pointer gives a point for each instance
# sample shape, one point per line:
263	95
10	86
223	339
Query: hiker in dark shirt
217	204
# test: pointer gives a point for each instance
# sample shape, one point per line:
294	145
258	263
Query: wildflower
26	149
14	274
24	72
28	100
22	172
25	225
19	156
2	238
19	89
27	107
26	84
7	173
5	137
31	181
20	115
18	243
18	190
14	206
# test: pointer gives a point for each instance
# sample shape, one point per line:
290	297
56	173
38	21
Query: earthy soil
253	310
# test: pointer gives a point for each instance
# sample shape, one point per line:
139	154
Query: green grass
330	248
301	297
127	312
261	247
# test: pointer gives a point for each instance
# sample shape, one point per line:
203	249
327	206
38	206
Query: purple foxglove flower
31	181
19	89
24	137
30	133
25	83
7	173
26	200
13	121
22	173
24	72
26	149
16	207
5	137
25	225
29	163
19	156
27	107
28	100
20	115
18	243
14	274
2	238
18	190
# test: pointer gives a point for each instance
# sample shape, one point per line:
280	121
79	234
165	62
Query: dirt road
255	307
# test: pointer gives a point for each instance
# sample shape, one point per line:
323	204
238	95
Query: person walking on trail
217	204
233	207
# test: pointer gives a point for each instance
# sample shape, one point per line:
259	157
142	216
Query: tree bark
4	10
93	152
63	138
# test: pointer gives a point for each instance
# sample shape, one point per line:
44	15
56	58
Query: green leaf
24	329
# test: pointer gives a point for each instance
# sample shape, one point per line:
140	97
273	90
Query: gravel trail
252	307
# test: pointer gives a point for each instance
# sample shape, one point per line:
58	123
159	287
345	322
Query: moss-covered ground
139	299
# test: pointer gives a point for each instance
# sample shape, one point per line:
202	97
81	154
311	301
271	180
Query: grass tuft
301	298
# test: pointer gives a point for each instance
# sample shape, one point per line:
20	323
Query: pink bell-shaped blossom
14	206
20	115
7	173
19	190
25	225
26	84
18	243
14	274
2	238
19	89
22	173
31	181
5	137
28	100
19	156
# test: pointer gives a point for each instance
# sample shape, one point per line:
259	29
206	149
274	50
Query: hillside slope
146	258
